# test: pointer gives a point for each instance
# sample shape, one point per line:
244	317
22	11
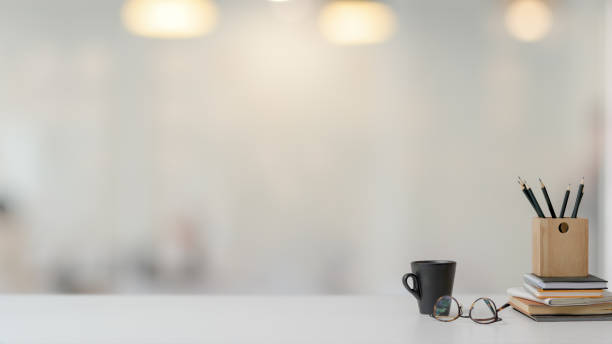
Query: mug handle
416	291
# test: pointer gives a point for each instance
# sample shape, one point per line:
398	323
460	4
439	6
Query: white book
579	301
543	294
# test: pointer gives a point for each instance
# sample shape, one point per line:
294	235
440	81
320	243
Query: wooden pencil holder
560	247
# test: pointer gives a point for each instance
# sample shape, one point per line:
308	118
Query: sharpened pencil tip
541	183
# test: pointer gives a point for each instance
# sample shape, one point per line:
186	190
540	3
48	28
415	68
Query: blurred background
298	146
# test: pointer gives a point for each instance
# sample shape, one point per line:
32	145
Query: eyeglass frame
493	309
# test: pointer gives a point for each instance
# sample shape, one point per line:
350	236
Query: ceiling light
355	22
528	20
169	18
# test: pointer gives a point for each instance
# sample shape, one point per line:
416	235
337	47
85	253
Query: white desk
265	319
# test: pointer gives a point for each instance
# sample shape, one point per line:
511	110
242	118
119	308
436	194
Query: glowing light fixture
169	18
356	22
528	20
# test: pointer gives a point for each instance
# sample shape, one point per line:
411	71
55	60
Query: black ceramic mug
430	280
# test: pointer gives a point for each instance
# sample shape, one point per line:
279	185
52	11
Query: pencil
528	197
567	193
524	189
578	198
550	206
534	200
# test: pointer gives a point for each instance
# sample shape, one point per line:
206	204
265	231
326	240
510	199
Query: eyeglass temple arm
506	305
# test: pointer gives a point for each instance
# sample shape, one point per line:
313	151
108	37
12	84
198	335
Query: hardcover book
536	308
560	318
588	282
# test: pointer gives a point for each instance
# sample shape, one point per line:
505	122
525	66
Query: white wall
605	244
268	160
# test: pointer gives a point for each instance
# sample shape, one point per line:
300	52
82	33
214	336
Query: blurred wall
605	199
264	159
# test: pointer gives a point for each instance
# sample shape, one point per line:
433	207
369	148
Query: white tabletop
265	319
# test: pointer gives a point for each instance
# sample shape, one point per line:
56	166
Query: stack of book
562	298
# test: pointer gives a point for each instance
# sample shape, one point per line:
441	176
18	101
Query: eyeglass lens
483	311
446	309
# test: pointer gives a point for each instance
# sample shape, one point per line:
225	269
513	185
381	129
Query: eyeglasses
482	311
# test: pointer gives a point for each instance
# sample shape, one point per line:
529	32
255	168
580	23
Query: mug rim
434	262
